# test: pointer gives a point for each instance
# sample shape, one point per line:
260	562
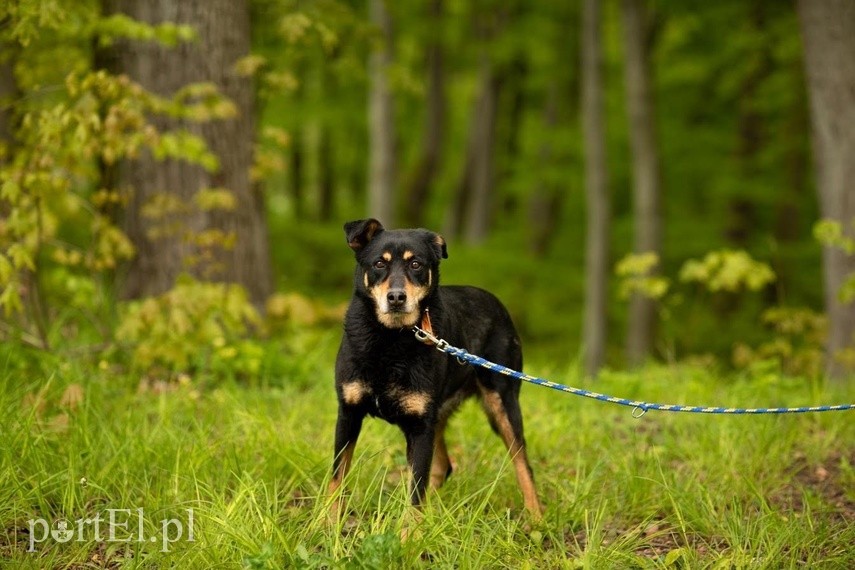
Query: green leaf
676	556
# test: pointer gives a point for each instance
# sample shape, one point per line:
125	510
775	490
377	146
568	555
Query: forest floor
246	468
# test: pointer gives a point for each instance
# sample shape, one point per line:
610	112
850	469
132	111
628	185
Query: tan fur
414	403
441	461
338	477
493	406
353	392
398	320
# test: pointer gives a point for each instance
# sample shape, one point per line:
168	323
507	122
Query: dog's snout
396	298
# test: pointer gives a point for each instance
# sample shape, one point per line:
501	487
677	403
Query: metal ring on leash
635	411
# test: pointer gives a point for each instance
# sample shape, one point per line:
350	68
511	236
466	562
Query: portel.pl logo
113	525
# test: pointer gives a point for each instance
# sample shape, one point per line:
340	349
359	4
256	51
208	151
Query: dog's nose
396	298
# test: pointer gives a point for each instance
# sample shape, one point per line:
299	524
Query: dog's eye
379	264
415	265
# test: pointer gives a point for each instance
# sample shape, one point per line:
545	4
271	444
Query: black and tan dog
382	370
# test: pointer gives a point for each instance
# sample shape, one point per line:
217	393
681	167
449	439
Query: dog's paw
411	523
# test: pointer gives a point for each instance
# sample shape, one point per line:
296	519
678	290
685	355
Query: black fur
379	367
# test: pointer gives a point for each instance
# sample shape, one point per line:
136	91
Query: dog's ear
360	232
437	242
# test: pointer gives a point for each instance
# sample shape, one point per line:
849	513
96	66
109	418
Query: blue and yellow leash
639	407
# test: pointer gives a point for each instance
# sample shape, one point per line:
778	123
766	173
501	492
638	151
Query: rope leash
639	408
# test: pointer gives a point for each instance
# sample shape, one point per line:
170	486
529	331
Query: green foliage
797	347
830	233
27	18
193	325
728	270
119	26
635	271
57	212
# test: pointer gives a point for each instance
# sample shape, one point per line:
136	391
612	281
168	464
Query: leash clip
425	337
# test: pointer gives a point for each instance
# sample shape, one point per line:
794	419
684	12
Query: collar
426	327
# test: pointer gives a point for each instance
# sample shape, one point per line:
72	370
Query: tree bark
545	206
165	245
9	93
427	166
381	118
828	31
296	182
645	168
326	175
596	189
481	178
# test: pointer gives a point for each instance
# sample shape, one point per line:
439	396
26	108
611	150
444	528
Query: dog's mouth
398	317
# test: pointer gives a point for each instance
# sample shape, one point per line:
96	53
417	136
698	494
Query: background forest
660	192
145	141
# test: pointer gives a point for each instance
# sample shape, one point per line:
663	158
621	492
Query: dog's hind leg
503	411
440	468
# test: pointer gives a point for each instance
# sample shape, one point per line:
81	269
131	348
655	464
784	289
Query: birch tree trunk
645	168
596	189
828	31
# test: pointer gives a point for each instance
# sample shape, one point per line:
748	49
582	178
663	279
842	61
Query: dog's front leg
420	456
347	429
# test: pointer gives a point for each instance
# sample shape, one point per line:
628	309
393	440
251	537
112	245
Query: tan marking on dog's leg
353	392
415	403
441	462
336	481
493	406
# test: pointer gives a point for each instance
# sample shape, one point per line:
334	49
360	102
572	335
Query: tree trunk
296	158
545	205
596	189
381	118
9	93
828	30
427	166
482	147
166	243
326	163
326	174
645	168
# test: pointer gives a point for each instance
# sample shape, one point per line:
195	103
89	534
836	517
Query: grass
664	491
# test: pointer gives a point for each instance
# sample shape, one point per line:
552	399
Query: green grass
667	490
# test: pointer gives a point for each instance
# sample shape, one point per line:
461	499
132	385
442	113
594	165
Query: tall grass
253	463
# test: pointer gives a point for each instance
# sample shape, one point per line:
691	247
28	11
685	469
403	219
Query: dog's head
397	269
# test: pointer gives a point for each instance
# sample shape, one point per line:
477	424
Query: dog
382	370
